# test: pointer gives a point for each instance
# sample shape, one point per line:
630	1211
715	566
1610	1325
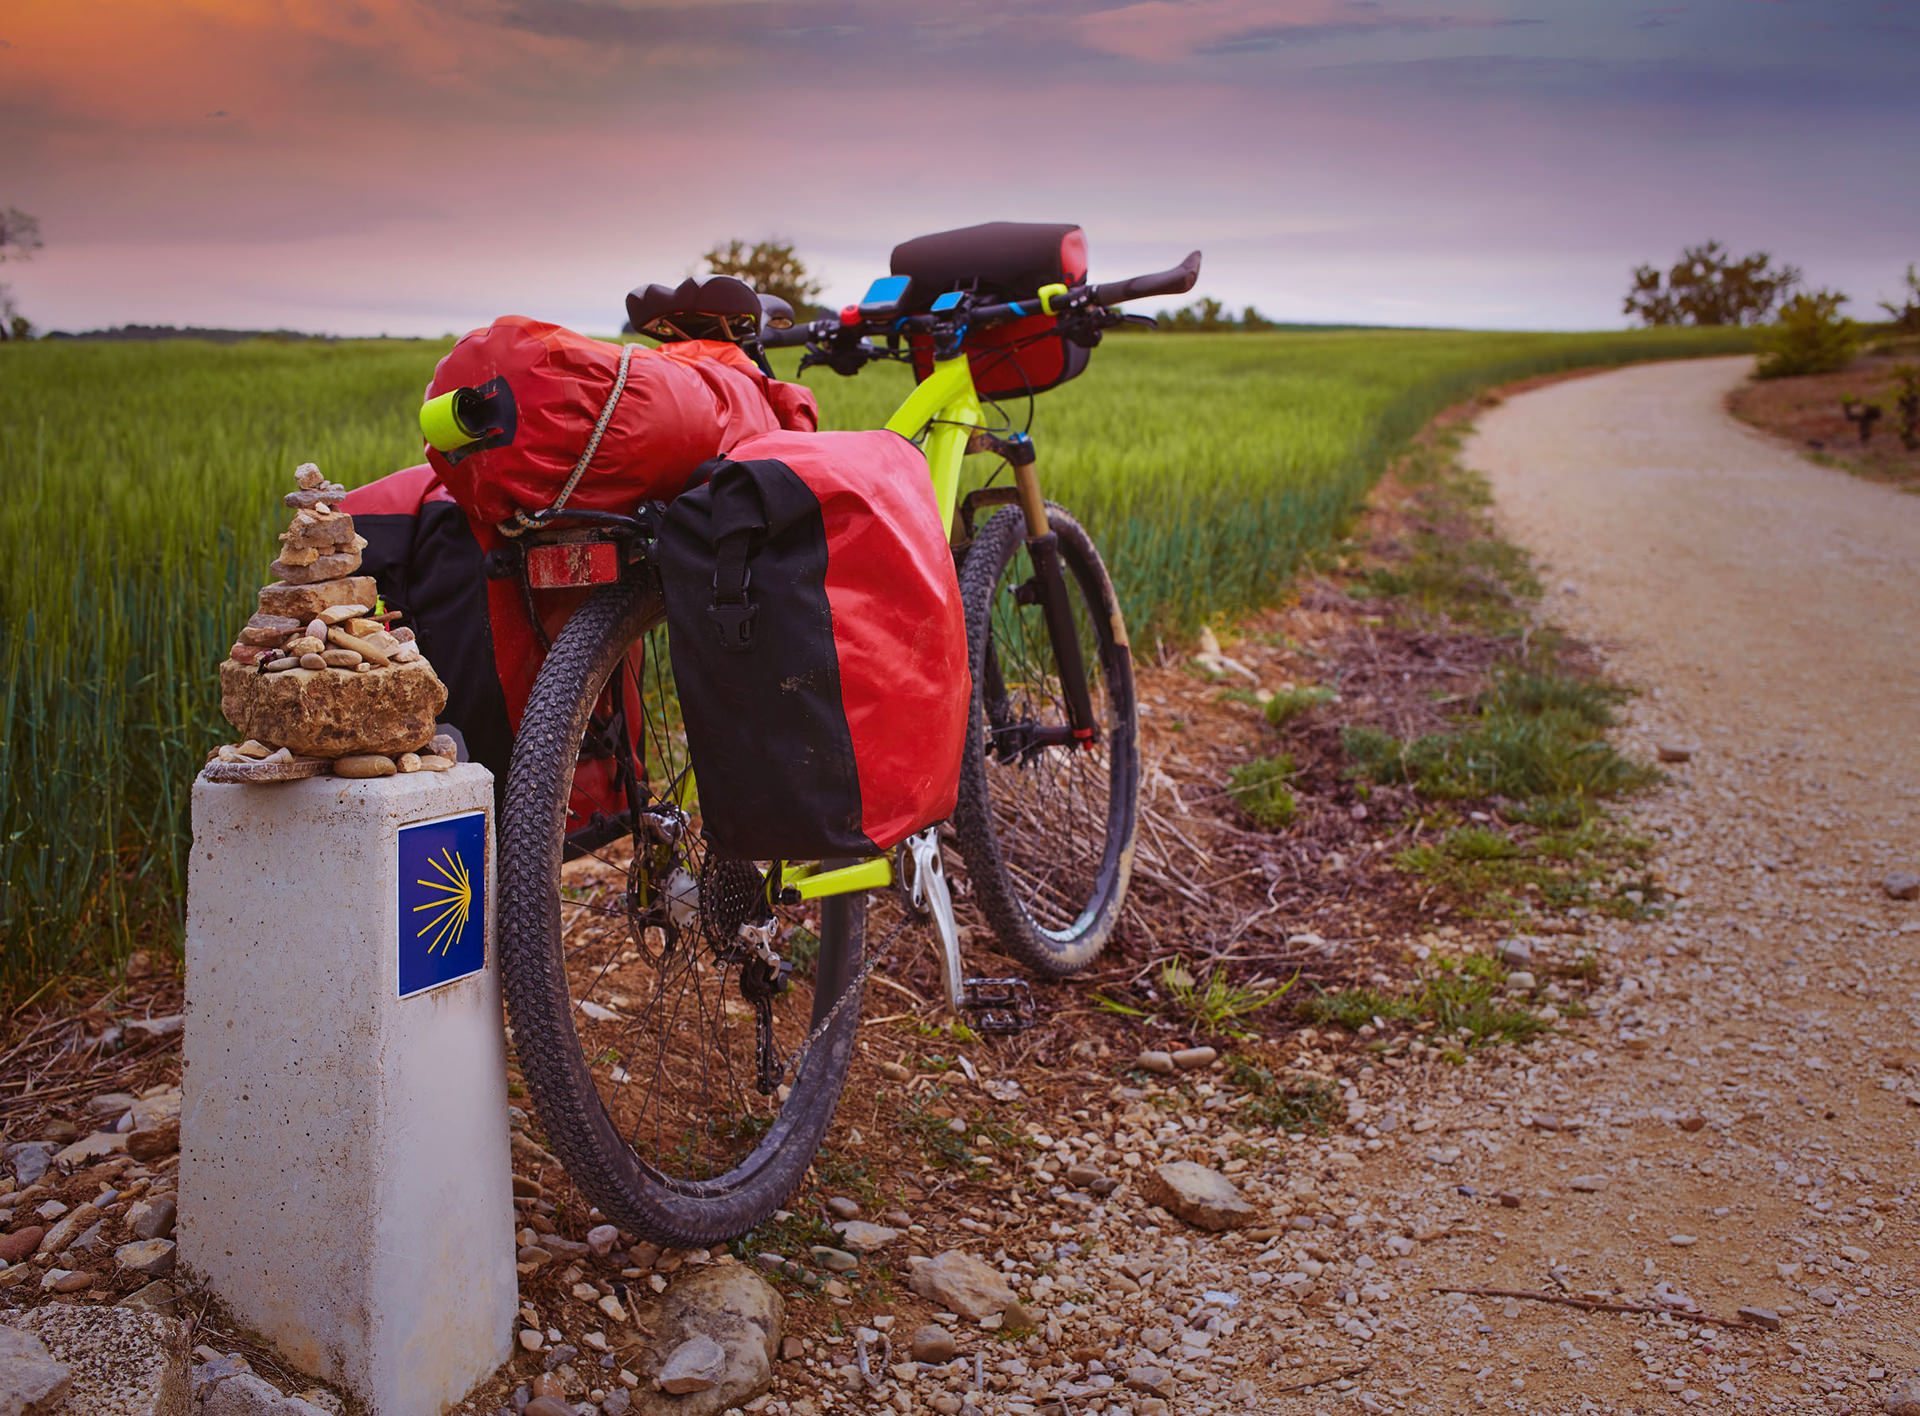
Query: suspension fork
1049	584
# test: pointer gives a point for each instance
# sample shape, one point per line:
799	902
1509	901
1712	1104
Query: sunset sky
419	166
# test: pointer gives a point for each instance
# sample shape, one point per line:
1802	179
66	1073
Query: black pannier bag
1003	260
818	643
430	560
423	553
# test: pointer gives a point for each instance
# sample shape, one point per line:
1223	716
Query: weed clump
1461	999
1216	1005
1291	703
1260	789
1289	1104
1536	737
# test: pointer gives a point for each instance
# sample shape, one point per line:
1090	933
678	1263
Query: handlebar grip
788	337
1177	281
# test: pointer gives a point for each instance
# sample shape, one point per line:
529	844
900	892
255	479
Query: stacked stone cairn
320	680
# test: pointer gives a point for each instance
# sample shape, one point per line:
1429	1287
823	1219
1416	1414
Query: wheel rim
662	989
1058	810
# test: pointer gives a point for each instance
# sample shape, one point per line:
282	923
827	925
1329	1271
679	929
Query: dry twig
1596	1305
1323	1381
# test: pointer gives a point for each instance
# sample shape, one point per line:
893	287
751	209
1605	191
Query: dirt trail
1735	1125
1770	602
1766	606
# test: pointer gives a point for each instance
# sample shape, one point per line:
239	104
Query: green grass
139	499
1536	736
1460	998
1260	789
1593	866
1290	703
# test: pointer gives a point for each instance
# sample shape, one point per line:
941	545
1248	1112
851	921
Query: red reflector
1073	256
572	563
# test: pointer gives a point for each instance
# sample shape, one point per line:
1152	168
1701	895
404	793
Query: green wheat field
139	500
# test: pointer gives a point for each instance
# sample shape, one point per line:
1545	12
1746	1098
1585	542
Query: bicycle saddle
719	307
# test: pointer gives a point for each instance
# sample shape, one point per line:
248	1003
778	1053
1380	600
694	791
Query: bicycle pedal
998	1005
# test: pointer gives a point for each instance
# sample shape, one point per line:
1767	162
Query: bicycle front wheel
1046	825
683	1079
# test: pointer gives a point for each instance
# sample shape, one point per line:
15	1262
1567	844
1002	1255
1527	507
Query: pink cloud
1168	30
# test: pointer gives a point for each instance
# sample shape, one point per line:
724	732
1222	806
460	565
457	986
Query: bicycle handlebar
1176	281
788	337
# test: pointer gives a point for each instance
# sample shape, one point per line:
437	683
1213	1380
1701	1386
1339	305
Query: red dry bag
667	410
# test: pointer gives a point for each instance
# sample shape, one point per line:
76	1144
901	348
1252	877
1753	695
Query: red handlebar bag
1003	260
678	406
818	644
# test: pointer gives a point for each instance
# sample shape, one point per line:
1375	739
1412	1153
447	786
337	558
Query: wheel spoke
1050	803
653	984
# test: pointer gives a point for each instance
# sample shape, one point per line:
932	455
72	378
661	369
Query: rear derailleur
764	976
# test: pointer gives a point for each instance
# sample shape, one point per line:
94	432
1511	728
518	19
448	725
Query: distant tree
1204	315
1906	315
19	235
13	324
1252	319
19	239
1811	337
1706	286
770	267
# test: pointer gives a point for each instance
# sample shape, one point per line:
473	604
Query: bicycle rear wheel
1046	826
684	1088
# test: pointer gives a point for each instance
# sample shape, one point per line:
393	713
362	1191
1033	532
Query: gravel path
1770	602
1737	1126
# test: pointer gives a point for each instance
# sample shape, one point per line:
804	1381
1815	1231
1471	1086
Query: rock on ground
1903	1399
244	1394
735	1309
697	1364
1204	1198
960	1283
125	1362
31	1381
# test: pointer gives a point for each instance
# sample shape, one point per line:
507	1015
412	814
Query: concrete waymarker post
345	1181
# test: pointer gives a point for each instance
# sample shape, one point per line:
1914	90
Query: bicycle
685	1022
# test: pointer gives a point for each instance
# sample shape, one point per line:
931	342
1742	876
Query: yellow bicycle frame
944	408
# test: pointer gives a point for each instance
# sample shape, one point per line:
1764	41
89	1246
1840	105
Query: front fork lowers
1049	583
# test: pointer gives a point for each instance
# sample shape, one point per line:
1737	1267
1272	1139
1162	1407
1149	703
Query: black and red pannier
818	642
1002	260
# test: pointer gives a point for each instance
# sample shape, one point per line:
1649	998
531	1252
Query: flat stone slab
1204	1198
262	771
124	1362
963	1284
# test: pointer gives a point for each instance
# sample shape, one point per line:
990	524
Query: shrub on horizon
1811	337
